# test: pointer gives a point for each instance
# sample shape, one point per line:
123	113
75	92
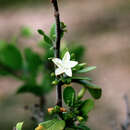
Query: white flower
64	65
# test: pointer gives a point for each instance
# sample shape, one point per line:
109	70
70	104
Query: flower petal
72	64
68	72
66	57
59	71
58	62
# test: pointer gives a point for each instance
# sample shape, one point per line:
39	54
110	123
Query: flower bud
39	128
55	82
50	110
62	109
81	93
52	74
80	118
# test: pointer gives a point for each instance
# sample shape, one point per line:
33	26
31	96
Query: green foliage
26	32
94	90
54	124
10	56
53	31
78	51
46	84
32	63
96	93
30	88
19	126
36	72
78	109
87	106
47	39
85	70
69	96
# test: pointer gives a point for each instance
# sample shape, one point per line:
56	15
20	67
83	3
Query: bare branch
57	47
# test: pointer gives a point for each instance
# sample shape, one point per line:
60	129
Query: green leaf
78	50
54	124
87	106
28	88
10	56
82	78
96	93
69	96
81	93
19	126
88	69
2	44
63	28
45	45
46	83
46	38
26	32
94	90
32	63
53	32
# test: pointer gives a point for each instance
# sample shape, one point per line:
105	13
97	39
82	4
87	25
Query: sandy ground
104	28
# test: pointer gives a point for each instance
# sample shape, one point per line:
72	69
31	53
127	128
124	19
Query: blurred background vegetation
103	27
20	3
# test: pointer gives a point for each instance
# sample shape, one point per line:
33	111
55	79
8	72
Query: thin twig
57	48
126	124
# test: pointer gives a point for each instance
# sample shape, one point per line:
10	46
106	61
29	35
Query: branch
57	48
126	124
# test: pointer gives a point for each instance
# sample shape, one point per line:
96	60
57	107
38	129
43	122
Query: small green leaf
19	126
27	88
63	29
26	32
53	32
88	69
69	96
87	106
46	38
96	93
81	93
82	78
54	124
10	56
40	32
94	90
